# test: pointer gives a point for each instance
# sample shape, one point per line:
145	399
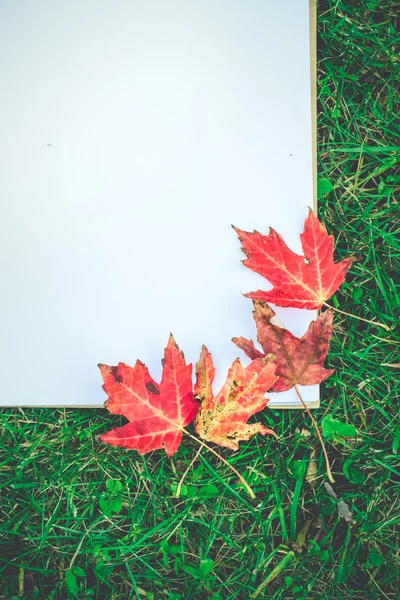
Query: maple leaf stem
356	317
328	467
222	459
178	489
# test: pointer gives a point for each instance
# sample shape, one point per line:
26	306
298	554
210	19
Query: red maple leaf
298	360
299	281
157	413
223	419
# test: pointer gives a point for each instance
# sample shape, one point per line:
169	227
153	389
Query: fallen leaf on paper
157	413
299	281
298	360
222	419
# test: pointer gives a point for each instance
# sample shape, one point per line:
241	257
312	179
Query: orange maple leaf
298	360
299	281
223	419
157	413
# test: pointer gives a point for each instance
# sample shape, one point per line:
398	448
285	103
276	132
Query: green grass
69	501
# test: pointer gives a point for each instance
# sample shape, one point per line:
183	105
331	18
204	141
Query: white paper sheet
133	133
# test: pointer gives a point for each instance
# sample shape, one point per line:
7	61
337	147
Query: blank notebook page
133	134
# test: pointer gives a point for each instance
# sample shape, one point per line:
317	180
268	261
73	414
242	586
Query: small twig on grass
344	509
328	467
